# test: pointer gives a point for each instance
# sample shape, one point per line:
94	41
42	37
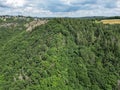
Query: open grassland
111	21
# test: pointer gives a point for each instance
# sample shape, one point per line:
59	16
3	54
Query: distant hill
114	17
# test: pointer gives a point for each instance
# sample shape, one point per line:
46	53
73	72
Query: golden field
111	21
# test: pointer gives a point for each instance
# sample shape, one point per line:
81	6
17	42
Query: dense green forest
63	54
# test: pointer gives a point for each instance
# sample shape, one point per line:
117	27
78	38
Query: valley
59	53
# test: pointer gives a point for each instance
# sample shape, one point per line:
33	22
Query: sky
60	8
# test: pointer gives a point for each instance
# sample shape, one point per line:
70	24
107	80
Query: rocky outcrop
9	25
30	26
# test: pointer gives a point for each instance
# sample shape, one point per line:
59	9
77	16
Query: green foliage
64	54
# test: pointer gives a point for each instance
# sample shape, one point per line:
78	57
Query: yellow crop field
111	21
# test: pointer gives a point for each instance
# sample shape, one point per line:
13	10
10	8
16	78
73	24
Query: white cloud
61	8
68	1
15	3
118	3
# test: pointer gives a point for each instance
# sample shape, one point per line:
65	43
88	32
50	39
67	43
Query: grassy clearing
111	21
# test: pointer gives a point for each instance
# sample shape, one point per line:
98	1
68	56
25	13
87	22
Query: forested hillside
63	54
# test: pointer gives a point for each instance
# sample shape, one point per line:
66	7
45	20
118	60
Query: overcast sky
60	8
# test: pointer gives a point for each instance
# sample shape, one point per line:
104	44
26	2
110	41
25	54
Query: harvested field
111	21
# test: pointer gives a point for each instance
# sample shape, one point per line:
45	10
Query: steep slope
63	54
